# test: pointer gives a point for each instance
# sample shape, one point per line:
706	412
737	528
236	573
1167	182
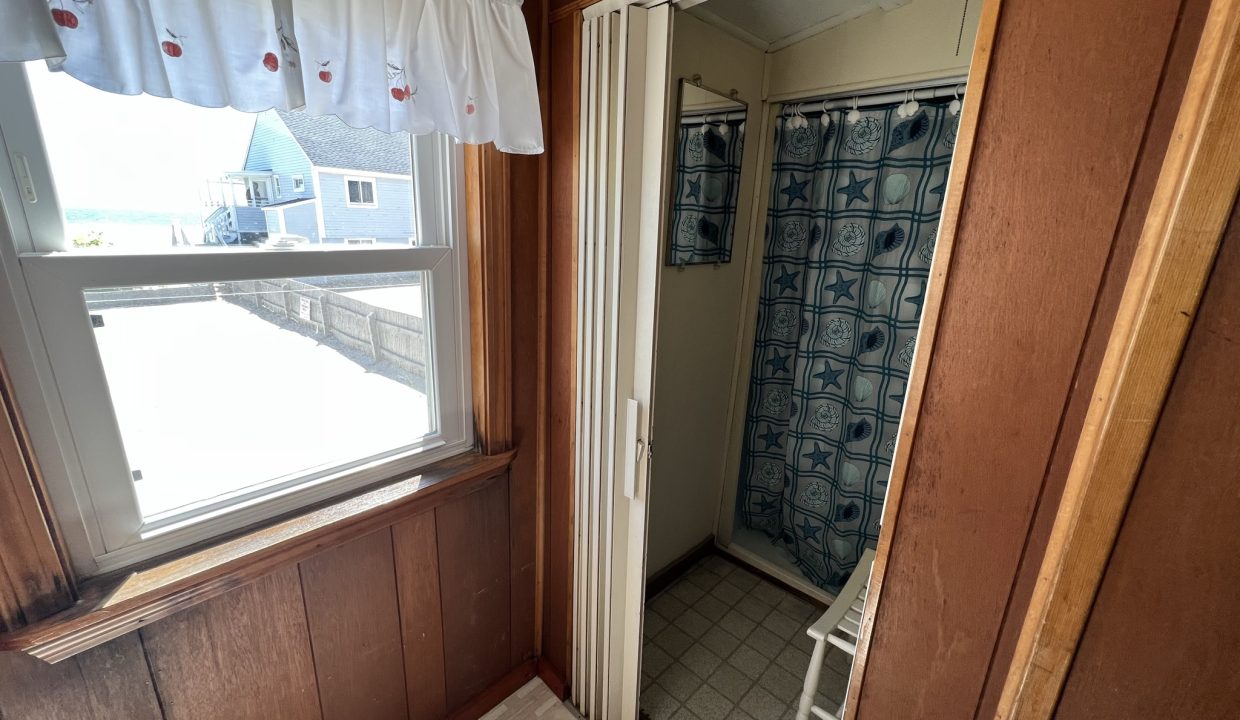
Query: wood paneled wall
1068	145
33	581
412	621
562	106
1162	638
1141	189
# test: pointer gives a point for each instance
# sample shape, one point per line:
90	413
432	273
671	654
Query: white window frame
299	183
48	346
360	241
374	191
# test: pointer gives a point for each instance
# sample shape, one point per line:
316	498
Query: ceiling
772	24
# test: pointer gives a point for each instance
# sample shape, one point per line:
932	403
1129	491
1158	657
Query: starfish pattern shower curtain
702	216
850	233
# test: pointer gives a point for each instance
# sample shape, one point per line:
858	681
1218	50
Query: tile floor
534	701
722	643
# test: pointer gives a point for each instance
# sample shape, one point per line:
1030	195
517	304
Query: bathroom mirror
706	175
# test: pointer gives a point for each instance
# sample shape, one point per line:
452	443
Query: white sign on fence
304	309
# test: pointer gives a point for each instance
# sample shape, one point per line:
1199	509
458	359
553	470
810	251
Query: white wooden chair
838	626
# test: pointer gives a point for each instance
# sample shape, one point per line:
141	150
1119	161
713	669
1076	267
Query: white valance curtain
462	67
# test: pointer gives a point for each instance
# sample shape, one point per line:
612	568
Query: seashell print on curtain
702	217
837	326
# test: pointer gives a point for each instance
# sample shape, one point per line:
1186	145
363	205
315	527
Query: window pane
226	388
146	174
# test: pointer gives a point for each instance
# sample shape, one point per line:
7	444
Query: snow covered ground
212	398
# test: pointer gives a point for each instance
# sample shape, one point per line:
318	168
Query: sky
133	152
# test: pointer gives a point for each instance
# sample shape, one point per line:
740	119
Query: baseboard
797	586
553	678
483	702
668	574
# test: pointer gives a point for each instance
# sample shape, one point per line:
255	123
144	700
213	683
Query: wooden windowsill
118	603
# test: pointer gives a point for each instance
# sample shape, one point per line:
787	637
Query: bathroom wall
699	316
923	40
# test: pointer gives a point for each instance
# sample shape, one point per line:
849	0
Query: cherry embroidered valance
461	67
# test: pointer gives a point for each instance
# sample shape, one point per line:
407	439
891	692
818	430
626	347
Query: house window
182	379
359	241
361	192
275	181
299	183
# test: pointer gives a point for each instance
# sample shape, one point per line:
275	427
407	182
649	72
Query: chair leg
812	677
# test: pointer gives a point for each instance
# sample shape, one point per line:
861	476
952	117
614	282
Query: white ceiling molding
736	31
796	37
772	25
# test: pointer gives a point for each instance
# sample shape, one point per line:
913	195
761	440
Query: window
299	183
183	374
275	181
361	192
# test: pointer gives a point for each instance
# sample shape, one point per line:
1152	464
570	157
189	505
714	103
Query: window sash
56	283
58	376
365	192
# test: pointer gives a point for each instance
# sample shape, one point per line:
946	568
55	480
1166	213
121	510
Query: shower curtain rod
880	96
716	116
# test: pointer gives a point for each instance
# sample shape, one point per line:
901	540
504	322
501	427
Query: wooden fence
386	335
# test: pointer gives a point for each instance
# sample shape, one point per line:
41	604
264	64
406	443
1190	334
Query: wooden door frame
932	309
1193	200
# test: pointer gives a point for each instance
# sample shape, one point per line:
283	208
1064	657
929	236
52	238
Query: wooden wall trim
1044	196
484	701
488	239
1159	129
34	583
113	605
932	309
1193	200
563	107
570	9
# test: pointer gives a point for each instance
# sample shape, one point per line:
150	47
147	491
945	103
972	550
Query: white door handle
634	449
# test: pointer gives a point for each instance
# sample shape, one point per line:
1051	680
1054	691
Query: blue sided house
318	178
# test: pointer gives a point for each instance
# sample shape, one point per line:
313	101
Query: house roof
329	142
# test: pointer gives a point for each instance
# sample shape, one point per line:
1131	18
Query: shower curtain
705	189
850	234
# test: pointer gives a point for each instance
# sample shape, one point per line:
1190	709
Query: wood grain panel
110	682
114	605
1029	255
33	582
563	109
529	361
488	249
1162	638
473	568
1162	120
245	654
351	609
421	617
